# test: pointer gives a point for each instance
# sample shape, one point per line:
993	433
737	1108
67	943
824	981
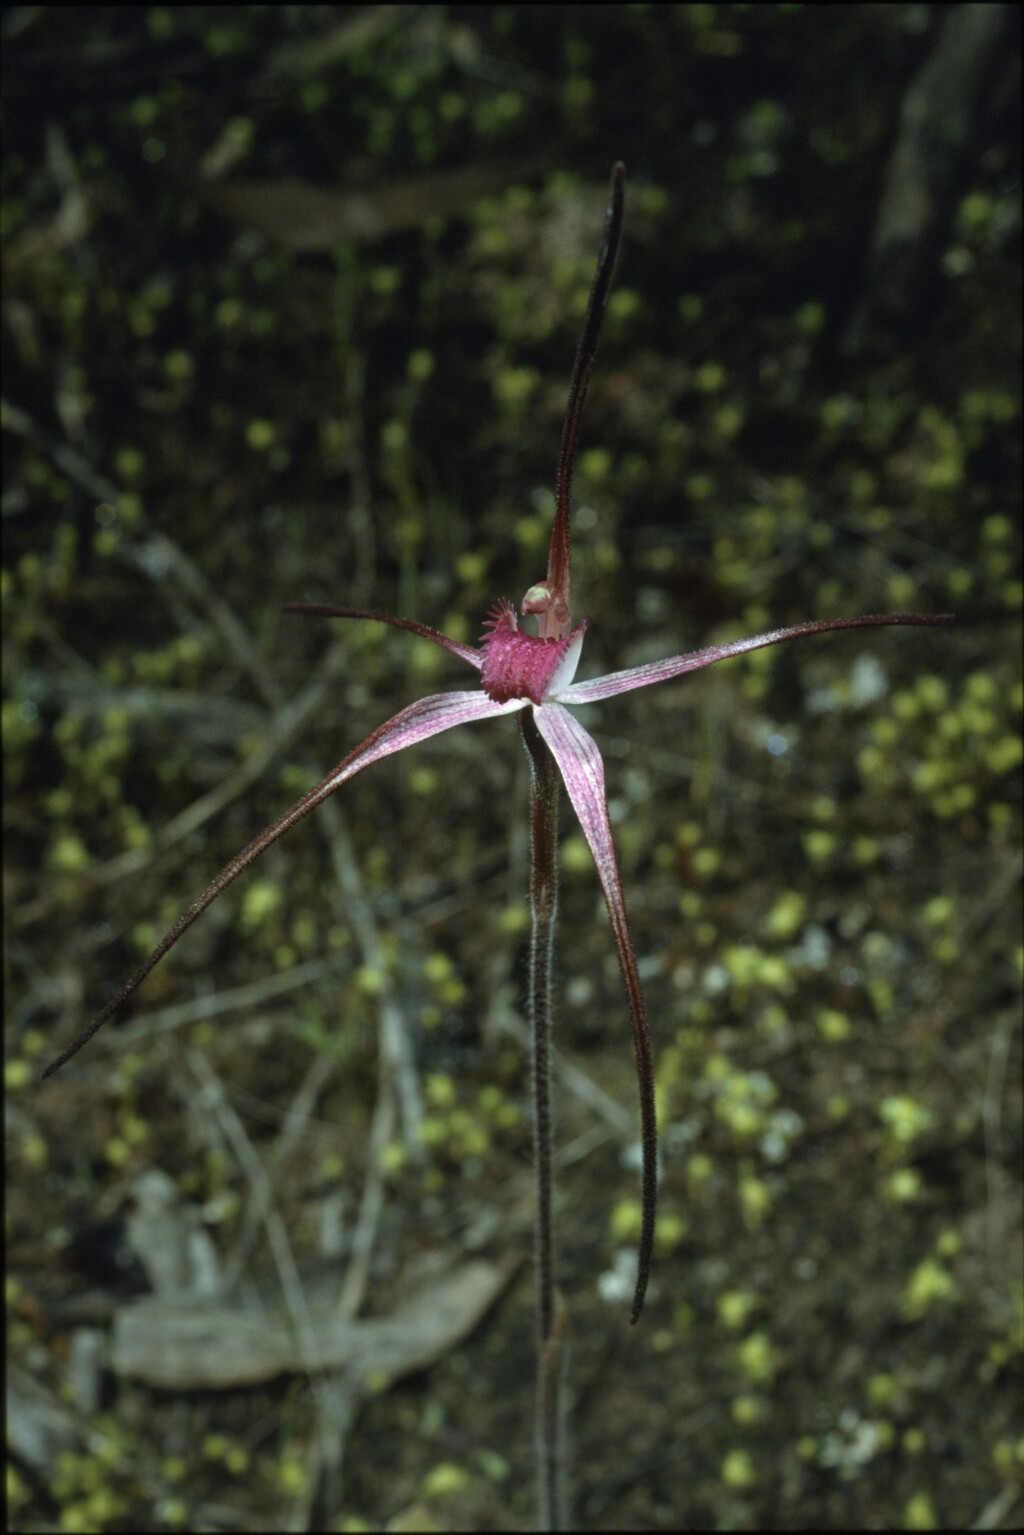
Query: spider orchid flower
519	671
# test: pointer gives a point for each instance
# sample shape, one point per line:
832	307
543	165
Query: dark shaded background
291	298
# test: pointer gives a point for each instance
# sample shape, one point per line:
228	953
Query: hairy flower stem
551	1318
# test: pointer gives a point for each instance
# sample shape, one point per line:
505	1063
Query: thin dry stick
397	1038
295	1121
371	1201
331	1425
397	1073
250	997
213	1098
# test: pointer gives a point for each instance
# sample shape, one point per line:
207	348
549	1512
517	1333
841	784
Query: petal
674	666
326	610
580	765
565	671
427	717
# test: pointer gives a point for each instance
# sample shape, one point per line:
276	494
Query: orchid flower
519	672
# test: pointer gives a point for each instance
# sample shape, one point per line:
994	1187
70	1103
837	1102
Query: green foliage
956	749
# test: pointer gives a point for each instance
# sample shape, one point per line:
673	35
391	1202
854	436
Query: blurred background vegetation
291	299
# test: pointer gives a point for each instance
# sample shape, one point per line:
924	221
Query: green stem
551	1318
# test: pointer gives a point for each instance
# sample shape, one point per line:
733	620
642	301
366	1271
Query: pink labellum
525	666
